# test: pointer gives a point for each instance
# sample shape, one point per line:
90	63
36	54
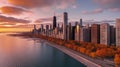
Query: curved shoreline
84	59
74	55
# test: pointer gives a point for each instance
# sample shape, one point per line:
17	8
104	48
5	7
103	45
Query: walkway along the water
88	61
74	55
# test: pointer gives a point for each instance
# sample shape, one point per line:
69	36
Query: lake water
31	52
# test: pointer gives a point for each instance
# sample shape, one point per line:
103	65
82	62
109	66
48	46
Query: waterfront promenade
86	60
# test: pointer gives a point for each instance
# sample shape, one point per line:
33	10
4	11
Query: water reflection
19	52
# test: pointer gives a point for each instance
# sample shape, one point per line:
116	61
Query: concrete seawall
74	55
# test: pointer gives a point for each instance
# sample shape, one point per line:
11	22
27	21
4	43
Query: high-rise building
50	31
65	22
34	27
112	35
77	32
85	34
58	28
95	33
117	32
47	27
50	27
105	34
81	22
72	32
35	31
54	22
42	28
69	31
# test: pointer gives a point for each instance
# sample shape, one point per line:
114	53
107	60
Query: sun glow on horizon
8	25
15	29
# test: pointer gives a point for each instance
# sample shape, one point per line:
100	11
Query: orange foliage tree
117	59
105	52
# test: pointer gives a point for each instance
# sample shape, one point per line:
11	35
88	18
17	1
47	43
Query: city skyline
100	41
60	33
14	13
103	33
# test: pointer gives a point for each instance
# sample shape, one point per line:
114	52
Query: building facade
112	35
65	22
77	32
85	34
95	33
54	22
105	34
117	32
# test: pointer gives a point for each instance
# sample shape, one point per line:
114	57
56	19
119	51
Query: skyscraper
81	22
35	31
95	33
65	22
85	34
50	27
117	32
105	34
54	22
69	31
77	32
42	28
72	32
47	27
35	27
112	35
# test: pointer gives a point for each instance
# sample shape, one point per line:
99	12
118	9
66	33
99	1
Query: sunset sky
19	13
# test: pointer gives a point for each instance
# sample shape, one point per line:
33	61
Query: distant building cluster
103	33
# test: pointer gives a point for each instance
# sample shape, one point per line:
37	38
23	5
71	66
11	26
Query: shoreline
74	55
84	59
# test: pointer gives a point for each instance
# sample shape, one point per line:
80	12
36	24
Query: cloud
10	10
40	20
74	6
96	11
108	21
114	9
43	20
42	3
99	22
5	19
108	3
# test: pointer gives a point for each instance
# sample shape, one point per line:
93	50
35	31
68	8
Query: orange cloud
10	10
42	3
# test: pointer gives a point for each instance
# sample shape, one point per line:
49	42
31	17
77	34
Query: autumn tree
105	52
117	59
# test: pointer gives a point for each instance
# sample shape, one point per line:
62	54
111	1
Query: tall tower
105	34
50	26
34	27
81	22
65	22
95	33
54	22
117	32
42	27
112	35
77	31
69	34
35	31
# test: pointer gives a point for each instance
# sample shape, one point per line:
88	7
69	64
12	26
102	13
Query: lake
32	52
